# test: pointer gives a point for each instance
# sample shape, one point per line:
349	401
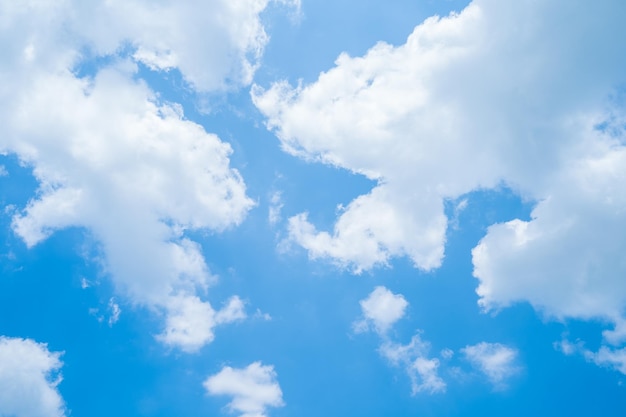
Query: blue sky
285	208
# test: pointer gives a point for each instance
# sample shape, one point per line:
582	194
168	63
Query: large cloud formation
527	94
110	156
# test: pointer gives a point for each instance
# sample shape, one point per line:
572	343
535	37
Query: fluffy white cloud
496	361
215	44
567	260
28	379
520	93
253	388
133	171
381	309
190	321
111	157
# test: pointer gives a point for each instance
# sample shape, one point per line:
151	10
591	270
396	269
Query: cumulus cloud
254	389
190	321
381	309
29	376
525	94
111	156
496	361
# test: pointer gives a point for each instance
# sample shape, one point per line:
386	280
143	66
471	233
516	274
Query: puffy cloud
521	93
381	309
496	361
253	388
28	379
111	157
134	172
190	321
566	260
215	44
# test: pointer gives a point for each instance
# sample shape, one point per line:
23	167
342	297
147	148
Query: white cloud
381	309
28	379
496	361
422	371
253	388
190	321
111	157
613	358
515	93
3	171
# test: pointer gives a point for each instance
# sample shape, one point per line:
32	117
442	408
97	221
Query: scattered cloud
254	389
29	376
496	361
276	205
610	357
381	309
258	314
115	312
422	371
3	171
525	94
446	353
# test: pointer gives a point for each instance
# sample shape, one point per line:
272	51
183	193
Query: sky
312	208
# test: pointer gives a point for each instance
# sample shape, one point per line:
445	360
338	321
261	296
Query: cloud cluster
527	94
28	379
110	156
381	310
253	388
606	356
